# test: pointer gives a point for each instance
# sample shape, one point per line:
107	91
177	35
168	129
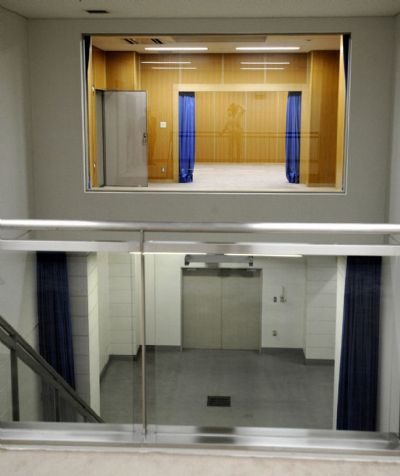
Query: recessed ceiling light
267	48
261	69
176	48
165	62
264	62
171	67
263	255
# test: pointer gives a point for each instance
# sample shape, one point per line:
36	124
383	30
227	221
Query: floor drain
218	401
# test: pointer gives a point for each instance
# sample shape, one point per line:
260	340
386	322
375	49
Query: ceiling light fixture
165	62
171	67
176	48
264	62
262	255
261	69
267	48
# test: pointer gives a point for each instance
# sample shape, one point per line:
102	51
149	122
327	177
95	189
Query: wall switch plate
163	170
163	125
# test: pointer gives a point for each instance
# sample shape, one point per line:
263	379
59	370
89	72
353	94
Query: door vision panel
221	309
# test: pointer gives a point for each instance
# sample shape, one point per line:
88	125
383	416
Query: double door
221	308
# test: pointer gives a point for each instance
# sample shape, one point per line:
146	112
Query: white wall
123	336
321	307
17	270
93	326
103	308
389	347
78	292
15	166
389	363
58	141
313	299
286	318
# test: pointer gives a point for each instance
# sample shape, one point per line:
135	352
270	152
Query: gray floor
266	390
223	177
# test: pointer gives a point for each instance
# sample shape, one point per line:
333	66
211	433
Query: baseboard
113	357
280	350
330	362
158	348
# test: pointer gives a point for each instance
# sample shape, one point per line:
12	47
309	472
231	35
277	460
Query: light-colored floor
232	178
268	390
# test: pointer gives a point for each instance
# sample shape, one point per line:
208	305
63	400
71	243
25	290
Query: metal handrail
20	348
201	227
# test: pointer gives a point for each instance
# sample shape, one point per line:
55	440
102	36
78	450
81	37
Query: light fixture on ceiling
262	255
265	62
267	48
165	62
172	67
261	69
176	48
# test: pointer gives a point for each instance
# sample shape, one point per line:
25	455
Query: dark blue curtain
55	330
187	136
358	381
346	48
293	129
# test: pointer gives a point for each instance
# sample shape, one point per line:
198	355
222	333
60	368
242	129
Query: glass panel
5	385
119	356
239	345
263	116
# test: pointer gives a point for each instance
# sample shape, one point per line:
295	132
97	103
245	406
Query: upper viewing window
243	113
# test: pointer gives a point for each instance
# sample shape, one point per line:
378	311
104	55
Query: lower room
227	345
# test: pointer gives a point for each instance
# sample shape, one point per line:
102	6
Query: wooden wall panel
323	117
158	84
265	126
99	68
205	126
254	134
208	69
229	126
120	67
294	72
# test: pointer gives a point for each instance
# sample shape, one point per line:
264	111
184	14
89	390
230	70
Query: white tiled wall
78	291
122	309
321	277
284	277
94	341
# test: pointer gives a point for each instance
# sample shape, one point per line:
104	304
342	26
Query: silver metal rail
206	227
20	349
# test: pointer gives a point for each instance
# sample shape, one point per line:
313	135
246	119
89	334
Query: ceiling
217	44
202	8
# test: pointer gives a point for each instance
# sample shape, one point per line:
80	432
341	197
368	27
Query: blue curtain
187	136
358	380
346	49
55	330
293	129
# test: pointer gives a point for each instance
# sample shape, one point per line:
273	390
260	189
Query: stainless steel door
221	309
241	309
201	309
125	138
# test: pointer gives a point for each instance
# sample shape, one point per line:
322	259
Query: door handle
144	138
